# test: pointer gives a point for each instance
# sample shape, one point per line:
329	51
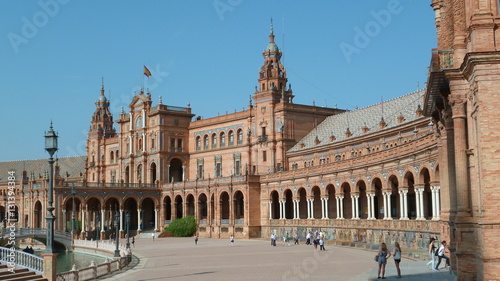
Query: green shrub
183	227
78	226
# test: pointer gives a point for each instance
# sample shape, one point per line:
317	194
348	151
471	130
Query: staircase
19	274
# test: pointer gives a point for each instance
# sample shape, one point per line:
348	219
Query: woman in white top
397	258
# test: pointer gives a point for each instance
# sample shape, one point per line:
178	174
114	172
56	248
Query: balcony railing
262	138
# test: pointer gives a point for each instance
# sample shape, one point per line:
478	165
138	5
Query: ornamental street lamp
73	192
127	223
51	147
117	218
98	227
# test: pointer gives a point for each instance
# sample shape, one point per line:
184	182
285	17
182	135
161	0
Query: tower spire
271	32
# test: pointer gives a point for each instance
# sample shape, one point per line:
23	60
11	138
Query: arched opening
362	201
224	208
240	136
275	205
198	143
127	174
148	214
288	204
394	197
231	137
94	219
167	205
412	196
202	207
178	207
214	140
427	194
317	202
190	205
302	203
176	170
212	209
222	139
139	173
111	208
130	210
378	200
332	202
37	215
239	206
205	142
346	190
152	173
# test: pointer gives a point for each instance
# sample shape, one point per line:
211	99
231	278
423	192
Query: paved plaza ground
216	259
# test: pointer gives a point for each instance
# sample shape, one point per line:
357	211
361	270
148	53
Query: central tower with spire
272	76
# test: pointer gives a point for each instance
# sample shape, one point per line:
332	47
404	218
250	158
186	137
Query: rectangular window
172	145
218	170
179	145
200	171
264	156
237	168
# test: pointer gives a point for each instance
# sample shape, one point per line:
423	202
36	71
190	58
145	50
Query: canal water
65	260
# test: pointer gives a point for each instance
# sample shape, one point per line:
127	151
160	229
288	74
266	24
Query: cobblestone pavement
216	259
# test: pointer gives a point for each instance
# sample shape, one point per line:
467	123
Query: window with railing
231	137
205	142
198	143
214	140
222	139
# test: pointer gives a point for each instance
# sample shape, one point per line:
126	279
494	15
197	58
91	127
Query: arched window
231	137
138	122
198	143
205	142
222	139
240	136
214	140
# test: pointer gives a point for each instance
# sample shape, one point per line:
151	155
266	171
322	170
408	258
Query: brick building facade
418	166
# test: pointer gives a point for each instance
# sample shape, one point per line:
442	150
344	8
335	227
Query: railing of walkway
93	271
14	257
42	232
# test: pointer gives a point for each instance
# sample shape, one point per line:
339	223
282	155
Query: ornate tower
101	128
272	75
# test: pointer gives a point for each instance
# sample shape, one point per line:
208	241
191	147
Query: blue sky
54	54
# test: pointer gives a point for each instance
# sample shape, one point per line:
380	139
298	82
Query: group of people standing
384	254
316	238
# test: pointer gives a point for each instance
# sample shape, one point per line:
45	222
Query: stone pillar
156	220
337	200
139	220
356	208
49	266
281	209
270	209
404	203
372	199
369	207
326	209
353	207
341	207
83	221
385	204
102	223
121	220
461	163
420	201
312	208
437	203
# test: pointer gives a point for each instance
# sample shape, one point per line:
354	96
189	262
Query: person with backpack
441	256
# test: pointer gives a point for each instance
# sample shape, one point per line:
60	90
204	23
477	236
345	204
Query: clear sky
54	53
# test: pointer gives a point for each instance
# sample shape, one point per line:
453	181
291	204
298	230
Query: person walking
441	256
133	241
231	239
321	244
296	239
196	239
397	258
432	253
383	254
153	235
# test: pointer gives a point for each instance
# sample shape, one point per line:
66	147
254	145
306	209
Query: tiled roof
72	166
337	125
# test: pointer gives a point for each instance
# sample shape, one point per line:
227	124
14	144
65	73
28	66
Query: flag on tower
147	72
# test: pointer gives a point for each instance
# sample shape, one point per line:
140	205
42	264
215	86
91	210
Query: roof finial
272	28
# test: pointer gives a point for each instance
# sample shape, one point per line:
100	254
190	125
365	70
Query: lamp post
73	192
51	147
127	223
117	218
98	227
